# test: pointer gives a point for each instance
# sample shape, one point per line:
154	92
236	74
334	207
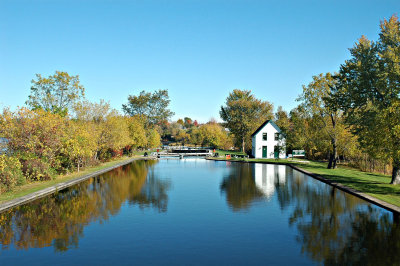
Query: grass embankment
31	187
224	152
142	152
373	184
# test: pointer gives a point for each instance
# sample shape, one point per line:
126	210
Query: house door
264	151
276	152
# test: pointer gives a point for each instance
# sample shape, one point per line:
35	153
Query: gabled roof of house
264	124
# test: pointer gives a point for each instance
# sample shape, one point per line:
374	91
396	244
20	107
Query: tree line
59	131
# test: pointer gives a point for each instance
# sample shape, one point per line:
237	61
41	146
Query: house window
264	136
276	136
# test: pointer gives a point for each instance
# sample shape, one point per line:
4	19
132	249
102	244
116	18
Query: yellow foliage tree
80	143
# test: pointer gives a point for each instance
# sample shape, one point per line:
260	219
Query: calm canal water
194	211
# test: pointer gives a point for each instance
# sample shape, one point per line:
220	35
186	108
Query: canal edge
354	192
57	187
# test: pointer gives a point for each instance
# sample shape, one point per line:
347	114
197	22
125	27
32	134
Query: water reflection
267	176
333	227
59	220
250	183
338	228
283	210
239	186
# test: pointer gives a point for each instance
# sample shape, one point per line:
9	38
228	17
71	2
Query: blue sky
198	50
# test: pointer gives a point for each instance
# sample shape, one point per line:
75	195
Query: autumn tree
214	135
317	101
369	93
137	132
188	122
182	137
79	144
153	139
114	135
180	122
93	111
154	106
243	113
282	120
195	136
300	134
36	137
56	93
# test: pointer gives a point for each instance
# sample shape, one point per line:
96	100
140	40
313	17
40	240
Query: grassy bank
142	152
375	185
224	152
28	188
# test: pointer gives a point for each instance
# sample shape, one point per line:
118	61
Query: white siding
258	142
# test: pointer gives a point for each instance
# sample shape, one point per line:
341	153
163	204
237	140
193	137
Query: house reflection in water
267	175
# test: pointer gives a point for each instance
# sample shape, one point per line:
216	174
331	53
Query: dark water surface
195	211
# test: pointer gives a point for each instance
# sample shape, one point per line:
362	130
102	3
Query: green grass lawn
375	185
26	189
224	152
142	152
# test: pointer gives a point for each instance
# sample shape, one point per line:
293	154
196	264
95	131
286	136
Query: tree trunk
333	158
243	144
396	172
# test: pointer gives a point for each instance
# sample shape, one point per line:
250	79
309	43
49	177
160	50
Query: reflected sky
194	211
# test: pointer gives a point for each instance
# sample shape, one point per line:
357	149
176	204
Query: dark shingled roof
264	124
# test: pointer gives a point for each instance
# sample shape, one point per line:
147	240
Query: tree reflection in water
239	186
333	227
249	183
337	228
59	219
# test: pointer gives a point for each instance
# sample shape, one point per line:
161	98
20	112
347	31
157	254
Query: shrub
105	154
10	173
37	170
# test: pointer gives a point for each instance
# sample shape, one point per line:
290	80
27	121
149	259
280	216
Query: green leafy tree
317	101
56	93
243	113
369	93
154	106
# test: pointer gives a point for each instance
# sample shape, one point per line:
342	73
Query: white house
268	141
